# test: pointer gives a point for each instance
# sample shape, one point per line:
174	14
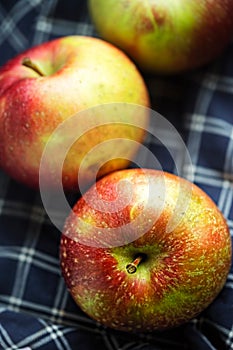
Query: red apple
166	36
43	87
144	250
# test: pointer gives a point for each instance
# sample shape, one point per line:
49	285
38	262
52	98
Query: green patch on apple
165	37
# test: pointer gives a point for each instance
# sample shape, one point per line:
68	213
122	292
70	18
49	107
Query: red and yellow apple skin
181	271
166	37
64	76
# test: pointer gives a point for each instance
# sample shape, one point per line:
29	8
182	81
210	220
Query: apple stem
27	62
132	267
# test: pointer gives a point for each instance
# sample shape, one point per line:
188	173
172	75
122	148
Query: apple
43	87
144	250
165	37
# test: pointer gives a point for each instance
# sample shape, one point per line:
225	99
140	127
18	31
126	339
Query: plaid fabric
36	311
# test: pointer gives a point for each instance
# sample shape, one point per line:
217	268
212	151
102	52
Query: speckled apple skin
79	73
166	37
184	269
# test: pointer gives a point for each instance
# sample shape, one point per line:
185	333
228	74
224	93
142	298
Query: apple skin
77	73
182	270
165	37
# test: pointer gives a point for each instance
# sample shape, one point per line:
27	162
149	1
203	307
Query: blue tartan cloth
36	310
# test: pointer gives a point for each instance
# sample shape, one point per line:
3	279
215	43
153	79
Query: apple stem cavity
27	62
132	267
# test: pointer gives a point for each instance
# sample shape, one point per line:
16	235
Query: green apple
166	36
44	86
144	250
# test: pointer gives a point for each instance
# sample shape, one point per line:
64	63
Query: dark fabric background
36	310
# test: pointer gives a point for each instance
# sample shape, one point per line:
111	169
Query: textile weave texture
36	310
